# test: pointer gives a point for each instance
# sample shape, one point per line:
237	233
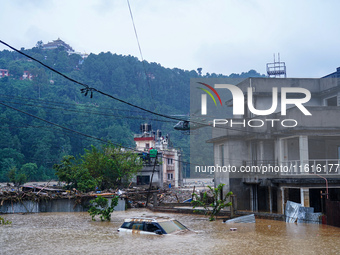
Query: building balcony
170	168
148	168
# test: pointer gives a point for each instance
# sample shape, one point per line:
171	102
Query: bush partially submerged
216	204
4	222
100	206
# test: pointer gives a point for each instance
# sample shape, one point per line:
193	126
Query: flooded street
75	233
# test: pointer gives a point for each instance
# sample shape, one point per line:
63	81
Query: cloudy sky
221	36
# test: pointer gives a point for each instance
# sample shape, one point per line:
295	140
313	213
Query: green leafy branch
216	205
4	222
100	206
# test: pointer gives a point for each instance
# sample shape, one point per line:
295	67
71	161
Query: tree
30	170
21	179
40	79
100	206
9	159
12	175
71	171
107	167
216	205
61	102
39	44
17	178
16	70
111	165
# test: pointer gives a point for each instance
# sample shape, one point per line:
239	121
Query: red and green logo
204	97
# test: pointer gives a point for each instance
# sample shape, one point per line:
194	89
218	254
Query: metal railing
259	162
170	168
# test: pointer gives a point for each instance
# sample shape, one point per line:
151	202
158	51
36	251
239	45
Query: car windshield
171	226
127	225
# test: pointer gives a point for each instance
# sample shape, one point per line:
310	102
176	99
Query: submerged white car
152	226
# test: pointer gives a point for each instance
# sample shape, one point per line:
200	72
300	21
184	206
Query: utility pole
153	154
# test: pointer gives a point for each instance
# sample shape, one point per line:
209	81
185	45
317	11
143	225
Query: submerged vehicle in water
152	226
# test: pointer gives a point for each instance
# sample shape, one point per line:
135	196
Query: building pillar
270	199
303	150
261	149
176	165
256	200
304	196
301	197
161	173
282	151
281	201
251	198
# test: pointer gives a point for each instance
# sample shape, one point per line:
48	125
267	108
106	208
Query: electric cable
80	133
141	54
63	103
86	112
88	89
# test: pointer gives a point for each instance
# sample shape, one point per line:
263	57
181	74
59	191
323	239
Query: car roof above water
149	219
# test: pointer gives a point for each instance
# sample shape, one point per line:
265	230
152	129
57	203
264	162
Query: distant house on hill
26	75
3	73
56	44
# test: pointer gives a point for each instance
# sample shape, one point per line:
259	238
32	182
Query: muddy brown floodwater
75	233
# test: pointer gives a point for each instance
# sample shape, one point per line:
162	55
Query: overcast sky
221	36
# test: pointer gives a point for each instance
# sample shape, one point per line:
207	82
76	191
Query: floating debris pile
135	196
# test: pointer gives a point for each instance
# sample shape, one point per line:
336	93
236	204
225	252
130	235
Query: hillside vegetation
30	146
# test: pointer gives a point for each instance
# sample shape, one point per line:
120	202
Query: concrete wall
242	193
322	117
323	148
55	205
234	152
266	84
293	148
328	83
269	150
147	171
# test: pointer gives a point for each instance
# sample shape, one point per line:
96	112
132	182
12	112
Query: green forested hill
33	146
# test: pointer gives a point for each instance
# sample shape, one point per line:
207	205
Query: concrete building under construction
309	151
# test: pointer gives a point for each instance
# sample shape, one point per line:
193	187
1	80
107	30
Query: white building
168	167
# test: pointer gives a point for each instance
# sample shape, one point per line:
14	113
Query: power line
49	122
88	89
85	112
140	51
104	141
98	139
48	127
63	103
79	133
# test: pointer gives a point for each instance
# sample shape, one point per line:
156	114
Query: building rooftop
57	43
